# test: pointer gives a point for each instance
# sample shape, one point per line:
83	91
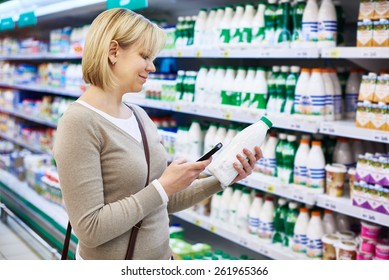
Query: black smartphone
211	152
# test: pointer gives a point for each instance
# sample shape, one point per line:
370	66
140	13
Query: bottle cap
316	213
303	210
267	121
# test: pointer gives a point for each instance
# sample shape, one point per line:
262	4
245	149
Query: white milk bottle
290	86
235	31
231	132
216	27
352	90
315	97
329	222
315	232
338	104
300	239
279	149
253	135
316	166
301	90
281	89
288	157
208	83
270	15
260	89
209	138
225	26
258	26
310	24
254	213
243	210
246	26
327	32
227	86
247	87
300	175
200	84
269	155
297	14
220	135
234	204
283	35
266	219
272	90
235	98
216	86
215	206
199	28
330	95
343	153
208	30
225	204
195	141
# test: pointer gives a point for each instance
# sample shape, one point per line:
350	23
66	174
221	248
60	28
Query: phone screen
211	152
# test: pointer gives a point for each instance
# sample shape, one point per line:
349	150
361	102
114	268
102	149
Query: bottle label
246	99
313	105
225	36
236	36
300	175
270	166
327	31
253	224
316	177
300	242
351	102
259	101
266	230
309	31
338	104
247	35
258	35
315	248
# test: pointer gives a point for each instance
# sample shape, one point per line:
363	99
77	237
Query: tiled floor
13	246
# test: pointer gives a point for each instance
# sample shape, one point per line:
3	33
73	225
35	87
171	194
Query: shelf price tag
302	54
298	197
198	53
243	241
212	229
381	137
369	53
197	222
179	53
329	204
295	125
369	216
226	53
263	251
334	53
270	188
228	116
327	128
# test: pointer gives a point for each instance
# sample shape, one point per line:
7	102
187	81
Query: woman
100	155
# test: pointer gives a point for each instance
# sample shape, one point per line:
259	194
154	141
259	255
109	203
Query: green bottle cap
267	121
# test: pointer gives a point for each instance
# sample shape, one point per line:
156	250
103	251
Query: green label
27	19
7	24
127	4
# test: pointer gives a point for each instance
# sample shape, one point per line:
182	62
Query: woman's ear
113	50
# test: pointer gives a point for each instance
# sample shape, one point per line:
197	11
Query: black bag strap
136	228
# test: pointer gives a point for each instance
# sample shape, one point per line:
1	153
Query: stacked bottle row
297	24
373	24
314	232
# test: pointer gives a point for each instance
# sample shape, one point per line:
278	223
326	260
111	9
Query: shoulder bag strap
135	229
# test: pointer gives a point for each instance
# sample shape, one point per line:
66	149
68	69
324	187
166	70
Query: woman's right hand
180	174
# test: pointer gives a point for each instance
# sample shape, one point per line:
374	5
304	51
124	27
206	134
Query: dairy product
214	94
259	89
234	205
290	88
300	175
254	213
235	30
329	222
243	210
330	95
209	138
343	153
224	204
279	150
247	88
270	15
352	90
272	90
301	90
281	89
315	232
220	135
208	86
290	222
258	25
327	20
208	36
300	239
279	220
338	103
288	157
314	100
266	219
246	26
310	24
215	206
316	166
251	136
269	155
216	27
195	141
283	36
235	98
200	84
225	26
227	87
199	28
297	14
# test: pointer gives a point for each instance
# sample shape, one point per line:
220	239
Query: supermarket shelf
41	56
244	239
43	89
347	128
344	205
356	52
22	143
29	117
296	123
241	53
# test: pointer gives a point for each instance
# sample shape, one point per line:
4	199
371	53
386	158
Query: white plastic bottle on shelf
279	150
266	219
208	84
220	135
342	222
200	84
216	27
246	25
209	138
254	213
338	104
243	210
315	97
283	34
216	86
288	157
234	204
310	24
247	88
253	135
195	141
301	90
260	89
290	87
235	98
297	14
300	239
329	222
208	29
225	26
270	15
215	206
224	204
235	31
315	232
231	132
281	89
227	86
352	90
272	90
300	175
258	26
328	29
269	155
316	166
199	28
330	95
343	153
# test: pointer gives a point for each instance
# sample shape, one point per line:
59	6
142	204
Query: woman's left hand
246	165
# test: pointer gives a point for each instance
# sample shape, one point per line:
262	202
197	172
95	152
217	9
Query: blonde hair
128	29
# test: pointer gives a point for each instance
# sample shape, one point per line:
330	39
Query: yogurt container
346	250
367	246
370	231
329	250
382	250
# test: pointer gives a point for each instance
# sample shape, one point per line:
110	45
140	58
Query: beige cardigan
102	172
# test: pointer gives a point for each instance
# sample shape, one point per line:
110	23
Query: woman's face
132	68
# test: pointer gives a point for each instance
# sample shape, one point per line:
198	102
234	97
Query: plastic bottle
316	166
235	98
300	239
179	33
199	28
215	206
269	155
330	95
216	86
310	24
216	27
242	213
270	16
227	86
297	15
343	154
209	137
225	26
290	222
314	102
254	213
208	84
224	204
266	219
195	141
246	26
288	157
357	148
279	150
279	220
327	19
200	84
301	90
315	232
234	205
338	104
231	132
300	175
329	222
258	25
290	88
235	31
179	88
272	90
247	88
251	136
283	34
260	89
281	89
220	135
208	30
352	90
